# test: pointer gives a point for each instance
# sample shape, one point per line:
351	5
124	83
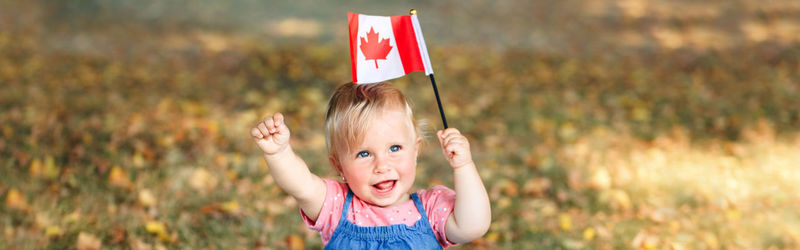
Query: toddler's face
382	169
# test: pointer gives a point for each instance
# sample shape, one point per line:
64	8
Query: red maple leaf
374	50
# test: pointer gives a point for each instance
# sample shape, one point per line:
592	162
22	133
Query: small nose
381	164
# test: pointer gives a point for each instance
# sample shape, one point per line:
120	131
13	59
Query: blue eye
362	154
394	148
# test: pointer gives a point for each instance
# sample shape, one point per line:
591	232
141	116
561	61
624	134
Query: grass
620	130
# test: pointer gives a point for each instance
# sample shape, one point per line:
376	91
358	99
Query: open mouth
384	186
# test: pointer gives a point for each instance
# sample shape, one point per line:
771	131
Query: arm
471	215
287	168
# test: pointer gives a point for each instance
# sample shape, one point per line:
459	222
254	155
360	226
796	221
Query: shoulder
335	187
438	202
435	192
436	197
330	212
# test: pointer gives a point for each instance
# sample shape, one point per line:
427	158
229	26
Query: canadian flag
386	47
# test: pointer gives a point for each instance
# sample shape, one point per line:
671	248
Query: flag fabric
386	47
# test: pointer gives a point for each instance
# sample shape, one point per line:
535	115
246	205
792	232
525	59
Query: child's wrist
285	148
463	165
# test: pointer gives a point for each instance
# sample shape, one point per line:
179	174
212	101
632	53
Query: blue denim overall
398	236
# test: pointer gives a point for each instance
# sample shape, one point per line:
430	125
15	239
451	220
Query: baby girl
373	142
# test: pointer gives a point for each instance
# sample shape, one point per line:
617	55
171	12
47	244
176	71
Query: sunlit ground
595	124
670	193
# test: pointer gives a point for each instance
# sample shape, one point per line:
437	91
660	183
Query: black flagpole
435	89
438	101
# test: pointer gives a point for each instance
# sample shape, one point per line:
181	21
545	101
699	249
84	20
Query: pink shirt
437	201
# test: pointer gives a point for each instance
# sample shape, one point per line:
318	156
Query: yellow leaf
165	237
159	229
733	214
8	131
53	231
231	174
88	241
622	199
35	170
651	243
640	113
567	131
87	138
492	237
15	200
503	203
119	178
42	220
588	234
230	207
295	242
73	217
601	179
137	160
202	180
51	171
146	198
711	240
155	227
565	221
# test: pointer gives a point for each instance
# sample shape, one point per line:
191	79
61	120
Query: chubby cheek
409	169
356	176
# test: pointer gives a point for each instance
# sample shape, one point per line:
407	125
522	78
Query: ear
418	145
336	164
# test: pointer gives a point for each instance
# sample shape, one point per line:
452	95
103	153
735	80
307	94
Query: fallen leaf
621	199
492	237
8	131
138	244
588	233
119	178
159	229
42	220
733	214
155	227
565	221
53	231
202	180
118	235
146	198
231	207
72	217
600	179
658	216
711	240
50	171
35	169
645	240
511	188
15	200
88	241
137	160
295	242
536	187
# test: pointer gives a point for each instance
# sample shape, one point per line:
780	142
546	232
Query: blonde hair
353	107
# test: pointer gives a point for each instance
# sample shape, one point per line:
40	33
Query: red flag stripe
407	46
352	19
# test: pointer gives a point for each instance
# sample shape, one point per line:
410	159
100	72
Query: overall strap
346	204
420	208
